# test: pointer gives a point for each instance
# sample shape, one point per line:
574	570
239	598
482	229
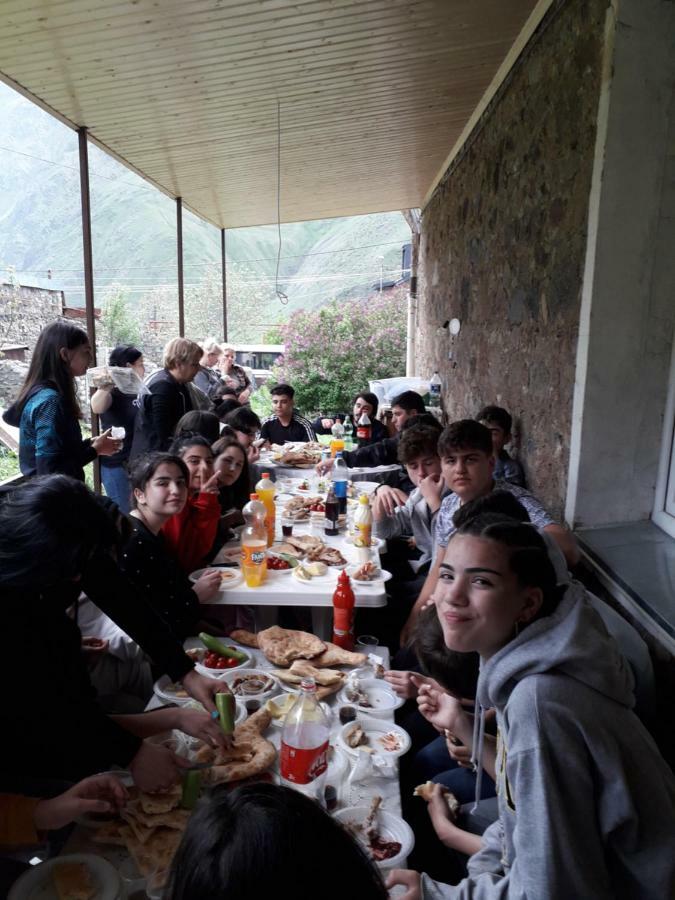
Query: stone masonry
503	242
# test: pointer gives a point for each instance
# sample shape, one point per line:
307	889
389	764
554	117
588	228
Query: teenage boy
417	451
364	402
467	465
499	422
385	452
285	424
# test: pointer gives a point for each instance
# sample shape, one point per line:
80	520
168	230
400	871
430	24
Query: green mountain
134	229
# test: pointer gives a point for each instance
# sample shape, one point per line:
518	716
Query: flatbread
425	791
281	645
247	638
160	803
336	656
156	853
249	733
177	818
141	832
323	677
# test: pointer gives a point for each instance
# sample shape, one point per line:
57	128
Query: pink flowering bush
333	352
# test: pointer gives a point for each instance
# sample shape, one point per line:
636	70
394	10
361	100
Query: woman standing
233	375
47	412
118	409
586	802
169	397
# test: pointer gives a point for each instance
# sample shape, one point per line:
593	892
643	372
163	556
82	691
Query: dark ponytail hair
145	467
528	554
48	368
49	529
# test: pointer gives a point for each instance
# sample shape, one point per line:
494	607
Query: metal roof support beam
88	271
179	254
223	265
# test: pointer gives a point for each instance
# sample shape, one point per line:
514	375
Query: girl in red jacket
190	533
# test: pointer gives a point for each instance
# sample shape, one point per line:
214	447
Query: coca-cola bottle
364	430
304	743
332	513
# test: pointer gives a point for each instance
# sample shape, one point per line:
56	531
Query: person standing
207	379
117	409
169	397
233	375
47	412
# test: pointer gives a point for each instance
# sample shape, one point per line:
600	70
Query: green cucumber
291	560
192	786
214	645
225	704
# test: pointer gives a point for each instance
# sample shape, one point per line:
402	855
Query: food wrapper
370	765
124	379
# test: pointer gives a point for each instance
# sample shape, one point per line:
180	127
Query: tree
118	323
333	352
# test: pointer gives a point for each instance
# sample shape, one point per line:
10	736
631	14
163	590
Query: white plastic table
282	589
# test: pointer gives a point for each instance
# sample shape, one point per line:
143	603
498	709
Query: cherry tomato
222	663
230	663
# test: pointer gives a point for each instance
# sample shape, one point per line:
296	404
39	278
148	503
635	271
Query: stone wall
503	242
24	311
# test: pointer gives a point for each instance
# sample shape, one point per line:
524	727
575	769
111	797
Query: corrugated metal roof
373	93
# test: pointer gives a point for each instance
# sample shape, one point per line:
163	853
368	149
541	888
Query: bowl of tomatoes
207	662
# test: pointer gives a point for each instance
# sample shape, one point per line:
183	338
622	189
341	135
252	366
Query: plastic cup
367	643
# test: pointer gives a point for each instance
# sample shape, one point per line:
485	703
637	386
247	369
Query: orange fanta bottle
266	490
254	543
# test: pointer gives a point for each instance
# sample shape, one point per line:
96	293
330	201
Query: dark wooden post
88	272
181	285
223	264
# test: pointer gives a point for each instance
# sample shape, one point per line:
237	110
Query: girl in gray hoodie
586	802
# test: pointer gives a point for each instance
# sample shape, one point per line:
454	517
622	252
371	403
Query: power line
208	263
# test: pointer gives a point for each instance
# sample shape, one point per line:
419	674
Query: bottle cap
265	474
253	496
364	499
308	684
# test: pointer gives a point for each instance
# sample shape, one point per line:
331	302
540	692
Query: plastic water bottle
348	428
435	386
254	543
340	477
304	743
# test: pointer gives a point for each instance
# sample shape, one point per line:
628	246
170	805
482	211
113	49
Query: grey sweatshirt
586	802
414	518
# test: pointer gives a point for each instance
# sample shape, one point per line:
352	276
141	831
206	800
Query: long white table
282	589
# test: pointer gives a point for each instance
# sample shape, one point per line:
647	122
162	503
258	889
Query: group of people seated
519	684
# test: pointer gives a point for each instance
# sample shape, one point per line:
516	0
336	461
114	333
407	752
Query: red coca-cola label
363	432
303	766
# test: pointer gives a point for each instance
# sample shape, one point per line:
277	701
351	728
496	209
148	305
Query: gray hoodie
586	802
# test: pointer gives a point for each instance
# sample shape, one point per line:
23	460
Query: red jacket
191	533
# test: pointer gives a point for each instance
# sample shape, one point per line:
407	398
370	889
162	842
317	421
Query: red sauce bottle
343	613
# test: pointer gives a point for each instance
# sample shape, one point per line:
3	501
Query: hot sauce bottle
343	613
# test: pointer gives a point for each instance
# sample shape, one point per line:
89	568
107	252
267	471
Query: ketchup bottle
343	613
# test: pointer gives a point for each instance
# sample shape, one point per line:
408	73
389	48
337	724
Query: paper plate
230	675
365	487
231	576
391	828
198	654
170	692
381	696
383	575
376	730
38	884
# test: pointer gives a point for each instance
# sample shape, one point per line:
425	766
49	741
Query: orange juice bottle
338	439
265	490
254	543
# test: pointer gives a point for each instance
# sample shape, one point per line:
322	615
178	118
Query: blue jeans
434	763
116	483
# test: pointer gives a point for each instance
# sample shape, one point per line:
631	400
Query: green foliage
332	353
118	322
261	402
9	464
